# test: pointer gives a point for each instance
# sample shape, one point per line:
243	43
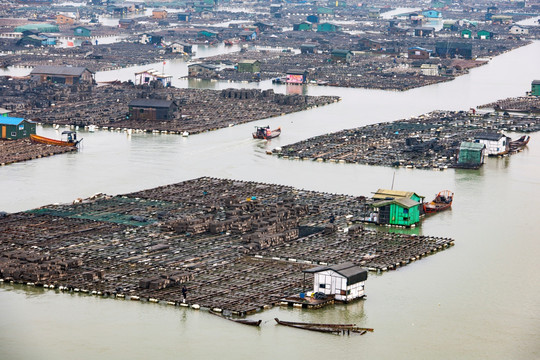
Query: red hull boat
442	201
265	133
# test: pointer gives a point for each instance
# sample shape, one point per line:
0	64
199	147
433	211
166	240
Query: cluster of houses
472	154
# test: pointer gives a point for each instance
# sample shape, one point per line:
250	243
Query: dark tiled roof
59	70
155	103
352	272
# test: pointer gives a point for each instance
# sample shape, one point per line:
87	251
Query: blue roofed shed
13	128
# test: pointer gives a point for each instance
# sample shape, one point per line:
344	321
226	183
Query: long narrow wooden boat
239	321
325	328
442	201
48	141
519	144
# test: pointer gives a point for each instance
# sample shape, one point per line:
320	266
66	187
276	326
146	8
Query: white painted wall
334	283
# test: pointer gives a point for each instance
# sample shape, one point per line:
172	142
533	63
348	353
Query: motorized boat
71	139
442	201
264	132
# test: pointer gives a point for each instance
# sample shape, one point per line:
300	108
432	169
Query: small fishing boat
326	328
442	201
71	139
239	321
519	144
264	132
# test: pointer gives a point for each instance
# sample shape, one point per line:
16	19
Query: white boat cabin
344	281
496	144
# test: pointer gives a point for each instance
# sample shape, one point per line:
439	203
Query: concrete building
159	14
518	30
62	19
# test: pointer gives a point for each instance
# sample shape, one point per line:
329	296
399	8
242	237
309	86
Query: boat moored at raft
443	200
326	328
70	141
264	132
519	144
239	321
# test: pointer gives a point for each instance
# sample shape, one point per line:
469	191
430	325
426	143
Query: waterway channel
478	299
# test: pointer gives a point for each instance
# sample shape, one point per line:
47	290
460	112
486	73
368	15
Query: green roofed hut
535	88
328	27
385	194
13	128
40	28
400	211
471	155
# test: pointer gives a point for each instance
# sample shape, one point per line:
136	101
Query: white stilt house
496	144
344	281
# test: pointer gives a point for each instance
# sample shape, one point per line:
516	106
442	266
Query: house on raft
147	76
471	155
13	128
344	281
394	207
69	75
152	109
496	143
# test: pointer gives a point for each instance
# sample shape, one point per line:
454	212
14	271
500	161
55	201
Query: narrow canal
476	300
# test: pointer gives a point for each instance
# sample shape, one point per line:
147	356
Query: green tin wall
20	133
400	215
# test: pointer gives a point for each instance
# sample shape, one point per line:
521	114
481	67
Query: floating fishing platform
239	246
298	301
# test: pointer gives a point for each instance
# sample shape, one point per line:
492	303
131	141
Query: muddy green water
477	300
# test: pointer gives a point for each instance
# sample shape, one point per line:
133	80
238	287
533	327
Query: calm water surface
479	299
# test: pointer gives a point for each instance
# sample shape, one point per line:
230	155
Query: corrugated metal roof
489	136
7	120
156	103
352	272
206	66
403	202
296	72
248	61
340	52
382	194
471	146
43	27
59	70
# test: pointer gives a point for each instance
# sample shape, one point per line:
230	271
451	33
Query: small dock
306	302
